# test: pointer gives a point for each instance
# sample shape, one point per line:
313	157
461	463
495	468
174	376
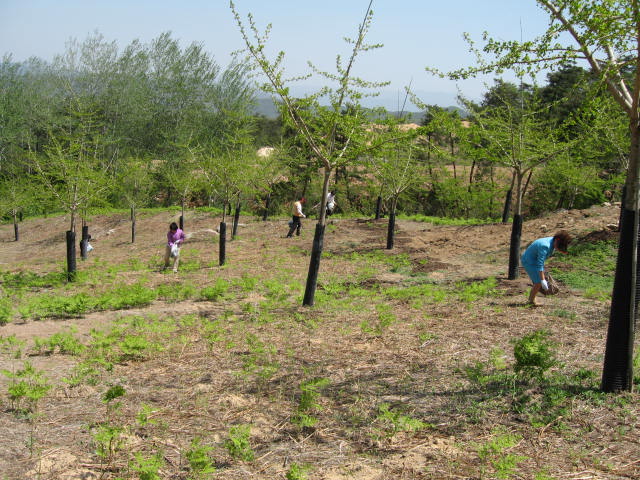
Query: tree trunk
236	220
84	240
314	266
391	228
516	232
508	200
222	254
16	233
378	207
182	215
617	373
318	242
71	255
267	202
514	247
133	224
507	206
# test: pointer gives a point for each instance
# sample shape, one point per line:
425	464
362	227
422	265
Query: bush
534	354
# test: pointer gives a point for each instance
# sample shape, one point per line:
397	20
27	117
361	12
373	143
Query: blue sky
415	33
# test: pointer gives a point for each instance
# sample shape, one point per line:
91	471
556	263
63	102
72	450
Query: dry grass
400	401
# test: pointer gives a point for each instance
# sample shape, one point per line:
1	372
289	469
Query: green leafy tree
396	169
518	138
72	168
320	124
605	35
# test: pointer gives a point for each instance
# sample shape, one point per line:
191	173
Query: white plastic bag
175	250
89	247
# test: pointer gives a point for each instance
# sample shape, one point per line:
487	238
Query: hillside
401	370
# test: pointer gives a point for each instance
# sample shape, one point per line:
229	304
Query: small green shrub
494	453
238	444
394	421
30	280
127	296
147	468
297	472
199	459
309	394
63	342
215	292
247	283
27	385
108	440
534	354
6	311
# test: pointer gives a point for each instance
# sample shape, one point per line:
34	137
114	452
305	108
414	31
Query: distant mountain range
266	107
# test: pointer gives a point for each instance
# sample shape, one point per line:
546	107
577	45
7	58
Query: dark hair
173	226
564	239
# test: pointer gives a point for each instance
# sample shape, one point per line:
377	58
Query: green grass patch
591	268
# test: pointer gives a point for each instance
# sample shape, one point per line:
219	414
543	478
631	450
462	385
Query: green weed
308	402
143	417
89	371
30	280
592	267
471	292
199	459
394	421
445	220
215	292
27	386
534	354
176	292
63	342
108	440
426	293
12	345
385	319
238	444
147	468
494	453
6	311
564	314
276	290
261	359
297	472
247	283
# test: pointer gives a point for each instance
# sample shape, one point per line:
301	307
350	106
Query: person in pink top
175	237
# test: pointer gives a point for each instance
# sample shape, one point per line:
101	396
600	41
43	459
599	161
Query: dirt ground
415	366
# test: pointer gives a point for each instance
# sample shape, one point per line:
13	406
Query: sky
415	34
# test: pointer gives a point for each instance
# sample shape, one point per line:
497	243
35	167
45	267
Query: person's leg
298	226
534	291
292	227
534	276
167	254
176	261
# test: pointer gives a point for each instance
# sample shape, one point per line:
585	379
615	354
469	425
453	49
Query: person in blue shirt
536	254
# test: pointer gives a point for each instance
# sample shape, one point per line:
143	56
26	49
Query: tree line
132	126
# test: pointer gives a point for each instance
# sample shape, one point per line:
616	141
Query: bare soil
416	365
